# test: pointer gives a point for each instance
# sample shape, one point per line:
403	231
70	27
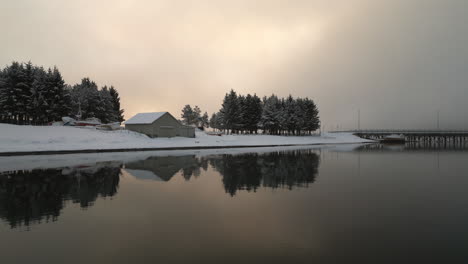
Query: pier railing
401	131
421	135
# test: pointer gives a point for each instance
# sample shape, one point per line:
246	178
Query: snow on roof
145	118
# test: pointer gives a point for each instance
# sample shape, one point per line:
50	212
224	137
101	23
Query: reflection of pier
415	147
426	136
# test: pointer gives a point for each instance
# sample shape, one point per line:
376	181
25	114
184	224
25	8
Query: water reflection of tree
274	170
28	197
285	169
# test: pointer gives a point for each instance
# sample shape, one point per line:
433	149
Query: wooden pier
427	136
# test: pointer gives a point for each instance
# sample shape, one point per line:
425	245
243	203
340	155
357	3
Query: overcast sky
398	61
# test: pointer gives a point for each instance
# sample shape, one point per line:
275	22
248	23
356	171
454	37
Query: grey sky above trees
398	61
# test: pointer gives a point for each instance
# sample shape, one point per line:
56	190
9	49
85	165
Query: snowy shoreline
34	140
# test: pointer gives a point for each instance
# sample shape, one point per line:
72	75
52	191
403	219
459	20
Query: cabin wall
165	126
186	131
146	129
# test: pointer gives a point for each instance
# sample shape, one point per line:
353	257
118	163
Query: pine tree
12	99
252	113
117	111
58	97
270	120
187	115
29	76
255	113
241	118
312	122
37	102
29	94
106	112
216	121
23	89
272	114
204	120
85	96
290	111
213	121
196	116
230	110
247	112
300	116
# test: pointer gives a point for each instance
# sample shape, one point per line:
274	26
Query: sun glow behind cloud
162	54
195	53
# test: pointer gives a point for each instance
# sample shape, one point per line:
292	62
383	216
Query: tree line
192	116
272	115
30	94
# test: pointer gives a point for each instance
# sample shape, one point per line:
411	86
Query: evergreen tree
29	75
58	98
230	110
118	112
252	113
106	111
216	121
270	120
255	113
204	120
11	96
312	120
29	94
23	89
38	102
300	116
196	116
85	96
187	115
290	118
242	115
213	121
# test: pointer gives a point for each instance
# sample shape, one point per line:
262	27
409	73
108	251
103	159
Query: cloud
397	61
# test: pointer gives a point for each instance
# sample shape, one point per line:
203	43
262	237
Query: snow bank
29	162
15	138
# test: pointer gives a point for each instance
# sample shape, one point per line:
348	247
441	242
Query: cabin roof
145	118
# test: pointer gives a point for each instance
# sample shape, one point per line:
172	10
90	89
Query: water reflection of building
286	169
27	197
164	168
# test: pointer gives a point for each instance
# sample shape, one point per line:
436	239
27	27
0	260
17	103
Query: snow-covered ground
15	138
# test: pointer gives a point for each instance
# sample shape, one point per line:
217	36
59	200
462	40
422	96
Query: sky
398	62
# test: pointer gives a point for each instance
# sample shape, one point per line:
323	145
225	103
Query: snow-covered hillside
15	138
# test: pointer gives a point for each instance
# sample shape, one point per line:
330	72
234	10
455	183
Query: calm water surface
346	204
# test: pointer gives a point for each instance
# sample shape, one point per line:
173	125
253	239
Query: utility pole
359	119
